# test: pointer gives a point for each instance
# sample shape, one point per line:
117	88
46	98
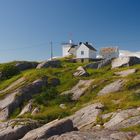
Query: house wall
65	49
82	47
92	54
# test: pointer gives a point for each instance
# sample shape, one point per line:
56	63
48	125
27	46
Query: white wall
82	47
65	50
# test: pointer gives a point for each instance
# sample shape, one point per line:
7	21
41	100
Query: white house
109	52
85	50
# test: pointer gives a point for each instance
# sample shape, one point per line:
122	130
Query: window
82	52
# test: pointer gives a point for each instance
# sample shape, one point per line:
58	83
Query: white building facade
85	50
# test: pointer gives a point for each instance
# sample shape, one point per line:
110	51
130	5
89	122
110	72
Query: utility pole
51	50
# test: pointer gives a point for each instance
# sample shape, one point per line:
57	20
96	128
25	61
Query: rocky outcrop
27	108
113	87
51	63
95	135
80	89
125	73
80	72
125	61
99	64
123	135
56	127
15	99
14	85
124	118
35	111
136	137
75	135
16	129
86	117
24	65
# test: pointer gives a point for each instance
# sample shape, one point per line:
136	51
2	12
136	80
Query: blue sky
27	26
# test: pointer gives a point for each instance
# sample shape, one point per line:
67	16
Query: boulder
16	99
136	137
35	111
123	135
80	72
63	106
86	117
27	108
113	87
24	65
56	127
51	63
125	61
54	81
125	72
99	64
16	129
18	82
75	135
123	119
79	89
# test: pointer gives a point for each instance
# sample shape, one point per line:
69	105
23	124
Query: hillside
99	100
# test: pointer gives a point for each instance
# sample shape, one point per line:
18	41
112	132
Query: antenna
51	45
70	38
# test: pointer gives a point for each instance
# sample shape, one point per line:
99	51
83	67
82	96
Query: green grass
135	128
4	84
50	113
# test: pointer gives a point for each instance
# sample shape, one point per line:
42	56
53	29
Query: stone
18	82
136	137
113	87
80	72
123	135
125	72
54	81
99	64
24	65
79	89
35	111
16	129
122	119
125	61
16	99
26	109
50	63
87	115
75	135
56	127
63	106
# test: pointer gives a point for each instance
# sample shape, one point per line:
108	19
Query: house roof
108	50
90	46
72	47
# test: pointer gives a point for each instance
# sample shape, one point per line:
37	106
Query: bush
47	95
7	71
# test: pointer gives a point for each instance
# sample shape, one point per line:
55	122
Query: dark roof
73	46
90	46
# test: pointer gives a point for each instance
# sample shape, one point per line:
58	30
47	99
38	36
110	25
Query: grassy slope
49	100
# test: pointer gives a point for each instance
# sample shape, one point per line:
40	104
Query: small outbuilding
109	52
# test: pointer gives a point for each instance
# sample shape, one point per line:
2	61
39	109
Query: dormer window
82	52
